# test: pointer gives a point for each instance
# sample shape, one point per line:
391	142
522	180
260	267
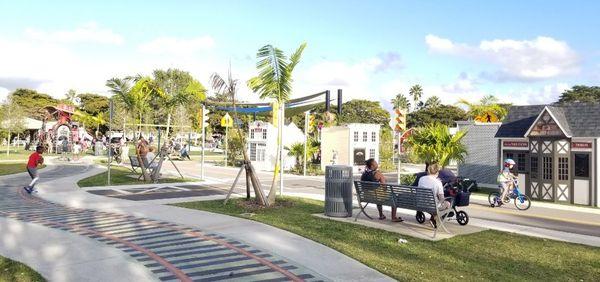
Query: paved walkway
71	235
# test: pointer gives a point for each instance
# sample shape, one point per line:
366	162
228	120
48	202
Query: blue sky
521	51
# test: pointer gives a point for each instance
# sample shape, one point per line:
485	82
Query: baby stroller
460	189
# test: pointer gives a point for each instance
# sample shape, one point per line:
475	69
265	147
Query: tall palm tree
274	81
486	110
434	144
71	96
228	88
416	92
400	102
433	102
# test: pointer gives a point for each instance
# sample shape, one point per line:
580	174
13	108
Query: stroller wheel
462	218
420	217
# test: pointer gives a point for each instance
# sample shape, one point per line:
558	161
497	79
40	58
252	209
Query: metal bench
400	196
135	164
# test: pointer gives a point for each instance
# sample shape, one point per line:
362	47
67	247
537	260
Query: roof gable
547	124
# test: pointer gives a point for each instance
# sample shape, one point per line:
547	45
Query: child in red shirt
35	159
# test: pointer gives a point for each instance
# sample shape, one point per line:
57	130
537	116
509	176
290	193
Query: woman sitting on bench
372	174
432	181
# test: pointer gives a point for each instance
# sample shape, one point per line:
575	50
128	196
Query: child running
35	159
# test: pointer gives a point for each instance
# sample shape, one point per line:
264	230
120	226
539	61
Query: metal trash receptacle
338	191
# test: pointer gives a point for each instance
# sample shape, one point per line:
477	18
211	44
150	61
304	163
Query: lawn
17	154
122	176
488	255
11	270
10	168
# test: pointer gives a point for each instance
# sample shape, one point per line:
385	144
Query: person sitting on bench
151	158
432	181
372	174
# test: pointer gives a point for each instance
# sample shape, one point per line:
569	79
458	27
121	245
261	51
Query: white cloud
88	33
534	96
522	60
177	46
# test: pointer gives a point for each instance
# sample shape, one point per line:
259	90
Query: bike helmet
509	162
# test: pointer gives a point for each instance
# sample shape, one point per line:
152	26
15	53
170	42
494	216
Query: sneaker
27	189
433	223
450	214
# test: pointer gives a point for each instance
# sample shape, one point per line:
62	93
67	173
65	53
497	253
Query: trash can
338	191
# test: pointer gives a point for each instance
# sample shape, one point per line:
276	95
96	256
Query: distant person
151	158
506	179
35	159
65	149
372	174
76	151
432	181
184	152
142	147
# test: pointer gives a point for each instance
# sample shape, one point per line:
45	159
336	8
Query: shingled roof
577	119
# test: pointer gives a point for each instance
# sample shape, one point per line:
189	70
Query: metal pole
306	114
399	152
226	143
203	140
110	117
281	123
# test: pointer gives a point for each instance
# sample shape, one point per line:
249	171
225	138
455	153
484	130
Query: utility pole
306	115
110	149
281	123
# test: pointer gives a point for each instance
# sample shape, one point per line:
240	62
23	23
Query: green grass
17	153
11	168
11	270
487	255
122	176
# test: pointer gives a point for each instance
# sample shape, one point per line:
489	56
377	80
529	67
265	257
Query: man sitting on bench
371	174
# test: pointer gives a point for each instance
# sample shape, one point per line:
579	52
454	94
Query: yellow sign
226	121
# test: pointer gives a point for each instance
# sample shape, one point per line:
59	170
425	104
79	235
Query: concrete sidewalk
316	257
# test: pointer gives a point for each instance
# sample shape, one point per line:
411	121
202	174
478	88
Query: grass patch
122	176
488	255
18	154
11	270
12	168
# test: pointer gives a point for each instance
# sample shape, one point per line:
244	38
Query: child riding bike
506	179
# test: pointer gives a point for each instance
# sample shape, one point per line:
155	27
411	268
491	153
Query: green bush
407	179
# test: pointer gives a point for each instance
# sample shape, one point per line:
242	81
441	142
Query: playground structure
63	129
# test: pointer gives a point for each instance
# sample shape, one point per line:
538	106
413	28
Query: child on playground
35	159
506	179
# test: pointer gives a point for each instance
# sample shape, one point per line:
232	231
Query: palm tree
274	81
434	144
416	91
71	96
433	102
228	89
400	102
486	110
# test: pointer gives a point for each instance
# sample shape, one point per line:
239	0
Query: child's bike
522	201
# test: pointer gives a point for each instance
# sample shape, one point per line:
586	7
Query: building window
264	134
534	167
373	136
251	133
365	136
521	162
260	152
563	168
547	168
582	165
371	153
253	151
355	136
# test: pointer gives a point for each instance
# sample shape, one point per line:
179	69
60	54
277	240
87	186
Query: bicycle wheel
522	202
462	217
493	198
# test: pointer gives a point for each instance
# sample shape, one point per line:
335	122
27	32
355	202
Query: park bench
400	196
135	164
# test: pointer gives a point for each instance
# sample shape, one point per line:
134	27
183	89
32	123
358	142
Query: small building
262	144
481	161
556	151
351	144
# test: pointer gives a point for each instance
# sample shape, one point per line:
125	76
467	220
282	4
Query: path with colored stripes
170	251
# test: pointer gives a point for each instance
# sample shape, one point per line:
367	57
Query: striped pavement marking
170	251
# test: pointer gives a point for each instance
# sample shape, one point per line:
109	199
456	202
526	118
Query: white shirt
76	148
431	181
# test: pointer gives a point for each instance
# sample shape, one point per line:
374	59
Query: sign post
226	121
306	114
110	149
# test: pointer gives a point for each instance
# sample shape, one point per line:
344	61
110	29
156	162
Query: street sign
226	121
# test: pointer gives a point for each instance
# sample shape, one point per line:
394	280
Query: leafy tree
93	103
400	101
12	119
416	92
386	149
580	93
33	103
444	114
71	96
297	150
274	81
364	111
487	110
433	102
434	144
